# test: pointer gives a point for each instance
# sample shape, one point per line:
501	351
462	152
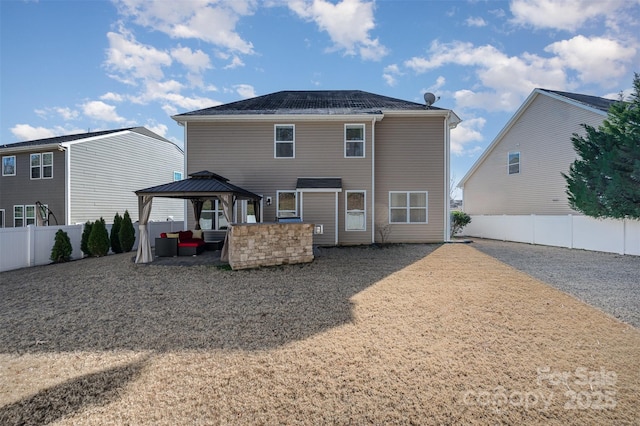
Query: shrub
62	249
99	239
115	234
127	233
458	221
84	243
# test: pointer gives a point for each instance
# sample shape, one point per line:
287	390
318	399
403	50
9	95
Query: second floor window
354	140
9	165
514	163
41	165
284	141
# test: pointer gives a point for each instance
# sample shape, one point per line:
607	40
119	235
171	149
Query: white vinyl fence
31	245
579	232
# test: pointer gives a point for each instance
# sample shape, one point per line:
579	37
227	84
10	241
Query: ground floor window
212	216
24	215
287	204
408	207
356	211
1	218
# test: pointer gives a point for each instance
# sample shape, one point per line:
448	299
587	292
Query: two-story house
361	166
520	173
72	179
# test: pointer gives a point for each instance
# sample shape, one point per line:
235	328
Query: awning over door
319	185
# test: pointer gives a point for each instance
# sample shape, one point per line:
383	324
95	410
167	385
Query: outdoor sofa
183	243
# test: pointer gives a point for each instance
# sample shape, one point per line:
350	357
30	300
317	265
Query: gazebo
198	188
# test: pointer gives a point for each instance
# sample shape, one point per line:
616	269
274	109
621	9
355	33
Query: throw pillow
197	234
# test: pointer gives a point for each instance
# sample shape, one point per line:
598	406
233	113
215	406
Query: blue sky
70	66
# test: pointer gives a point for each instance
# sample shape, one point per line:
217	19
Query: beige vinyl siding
243	152
22	190
106	171
319	208
542	135
410	157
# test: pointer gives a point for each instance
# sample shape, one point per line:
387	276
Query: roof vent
430	99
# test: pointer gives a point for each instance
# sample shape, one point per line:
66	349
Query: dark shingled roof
78	136
321	102
316	183
602	104
61	139
199	185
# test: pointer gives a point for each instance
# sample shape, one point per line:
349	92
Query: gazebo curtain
197	210
144	254
227	210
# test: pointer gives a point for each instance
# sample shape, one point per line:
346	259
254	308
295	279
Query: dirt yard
411	334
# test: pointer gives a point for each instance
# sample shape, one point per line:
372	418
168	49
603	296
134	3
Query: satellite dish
430	98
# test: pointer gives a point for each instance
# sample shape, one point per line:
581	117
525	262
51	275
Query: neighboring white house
76	178
521	170
516	191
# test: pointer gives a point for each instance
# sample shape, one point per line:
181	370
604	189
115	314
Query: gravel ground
610	282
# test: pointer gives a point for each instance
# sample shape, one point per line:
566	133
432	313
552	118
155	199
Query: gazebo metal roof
201	184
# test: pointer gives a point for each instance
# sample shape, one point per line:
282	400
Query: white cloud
465	133
27	132
157	128
209	21
563	14
101	111
347	23
195	61
113	97
65	113
235	63
476	22
245	90
131	61
596	59
390	73
440	82
510	78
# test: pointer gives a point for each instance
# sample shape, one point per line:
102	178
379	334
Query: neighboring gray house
86	176
520	173
351	162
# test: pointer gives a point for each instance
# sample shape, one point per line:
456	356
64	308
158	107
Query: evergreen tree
604	181
127	233
84	243
62	249
115	234
99	239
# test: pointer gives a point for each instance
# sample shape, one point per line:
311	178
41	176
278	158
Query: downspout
185	212
373	180
67	183
447	175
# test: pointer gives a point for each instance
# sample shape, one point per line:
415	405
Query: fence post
570	231
31	245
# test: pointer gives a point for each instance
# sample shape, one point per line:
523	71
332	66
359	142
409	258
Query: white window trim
364	138
295	193
175	172
408	207
276	142
39	166
42	165
346	211
3	215
509	165
14	165
21	218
